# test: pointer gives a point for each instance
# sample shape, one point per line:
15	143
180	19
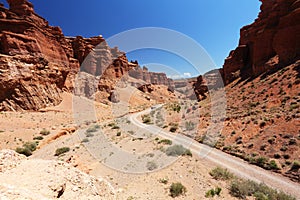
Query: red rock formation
38	61
210	80
271	41
21	7
152	77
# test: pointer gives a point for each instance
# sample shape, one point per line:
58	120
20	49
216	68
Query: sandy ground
190	171
77	113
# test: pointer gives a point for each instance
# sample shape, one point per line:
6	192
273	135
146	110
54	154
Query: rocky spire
21	7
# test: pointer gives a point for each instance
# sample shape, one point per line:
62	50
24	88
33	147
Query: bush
27	148
115	127
146	119
118	134
151	165
213	192
38	138
175	107
164	180
93	129
85	140
261	161
89	134
292	141
178	150
30	145
244	188
295	166
262	124
24	151
61	151
177	189
174	127
273	165
219	173
165	141
44	132
111	124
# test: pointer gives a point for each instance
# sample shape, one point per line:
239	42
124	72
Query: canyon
38	62
48	79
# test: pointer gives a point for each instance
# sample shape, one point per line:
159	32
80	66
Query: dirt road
235	165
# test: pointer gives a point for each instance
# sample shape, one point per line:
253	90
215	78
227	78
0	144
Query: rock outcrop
38	62
270	42
45	179
152	77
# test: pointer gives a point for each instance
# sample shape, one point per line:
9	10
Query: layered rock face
38	62
151	77
34	65
270	42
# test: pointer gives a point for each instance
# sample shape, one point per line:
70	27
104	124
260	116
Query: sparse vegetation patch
61	151
177	189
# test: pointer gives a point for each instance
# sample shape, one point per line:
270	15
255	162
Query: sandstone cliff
38	62
152	77
270	42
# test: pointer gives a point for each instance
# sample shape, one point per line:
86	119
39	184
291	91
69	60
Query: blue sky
214	24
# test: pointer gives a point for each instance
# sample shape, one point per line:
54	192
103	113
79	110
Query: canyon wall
151	77
37	62
271	42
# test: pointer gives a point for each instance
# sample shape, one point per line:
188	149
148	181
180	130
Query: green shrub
219	173
85	140
175	107
292	141
210	193
24	151
30	145
164	180
61	151
165	141
218	191
111	124
295	166
89	134
273	165
27	148
146	119
44	132
93	129
151	165
178	150
118	134
261	161
177	189
174	127
38	138
262	124
213	192
115	127
244	188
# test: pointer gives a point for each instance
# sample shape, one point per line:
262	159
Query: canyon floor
69	123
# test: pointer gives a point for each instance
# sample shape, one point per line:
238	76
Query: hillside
262	77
